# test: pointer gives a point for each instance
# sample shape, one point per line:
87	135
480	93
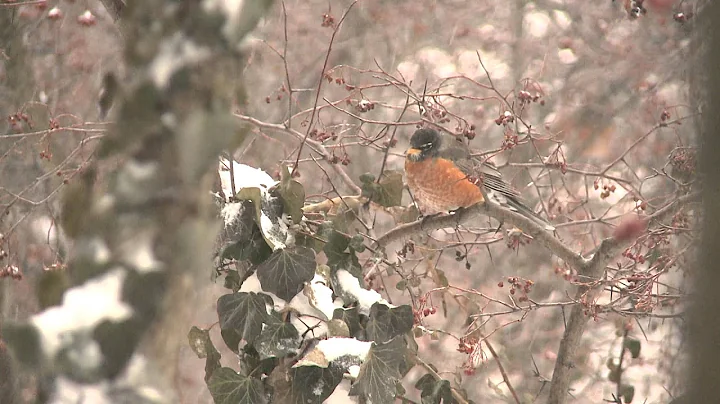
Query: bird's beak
413	154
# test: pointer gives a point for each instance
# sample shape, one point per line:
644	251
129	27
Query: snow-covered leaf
278	339
203	347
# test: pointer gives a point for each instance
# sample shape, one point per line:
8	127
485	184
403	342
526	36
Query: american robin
444	179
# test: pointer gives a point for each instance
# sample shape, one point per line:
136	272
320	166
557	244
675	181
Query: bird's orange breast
440	186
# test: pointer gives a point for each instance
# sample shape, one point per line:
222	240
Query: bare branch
114	8
555	245
593	269
315	145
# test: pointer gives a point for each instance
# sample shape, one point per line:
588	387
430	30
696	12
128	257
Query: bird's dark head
424	143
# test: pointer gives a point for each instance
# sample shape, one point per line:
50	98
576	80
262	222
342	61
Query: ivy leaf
203	347
627	392
292	194
337	258
386	192
351	317
633	345
232	339
228	387
241	239
336	245
268	215
243	312
278	339
286	271
434	391
380	371
386	323
308	384
232	281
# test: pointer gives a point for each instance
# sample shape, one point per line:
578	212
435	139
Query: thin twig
502	371
320	83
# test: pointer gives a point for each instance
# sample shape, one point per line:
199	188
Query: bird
447	178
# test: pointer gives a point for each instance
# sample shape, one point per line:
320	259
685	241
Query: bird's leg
500	225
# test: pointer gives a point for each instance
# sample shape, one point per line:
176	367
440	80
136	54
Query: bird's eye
426	146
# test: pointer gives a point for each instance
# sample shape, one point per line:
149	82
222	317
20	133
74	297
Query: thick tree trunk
705	323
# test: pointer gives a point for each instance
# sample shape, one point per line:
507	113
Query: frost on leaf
278	339
305	384
203	347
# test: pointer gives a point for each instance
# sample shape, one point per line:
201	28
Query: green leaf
231	338
386	323
286	271
351	317
203	347
338	328
357	243
292	194
367	178
380	371
241	237
243	312
278	339
627	392
232	281
633	345
197	339
268	211
309	384
228	387
338	259
434	391
386	192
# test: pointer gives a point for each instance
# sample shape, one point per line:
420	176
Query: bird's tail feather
529	213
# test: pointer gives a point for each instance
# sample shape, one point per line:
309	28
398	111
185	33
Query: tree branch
114	8
593	269
555	245
587	268
315	145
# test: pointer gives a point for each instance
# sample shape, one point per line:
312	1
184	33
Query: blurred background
604	130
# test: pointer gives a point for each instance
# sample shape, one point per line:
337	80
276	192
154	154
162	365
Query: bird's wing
490	180
484	172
